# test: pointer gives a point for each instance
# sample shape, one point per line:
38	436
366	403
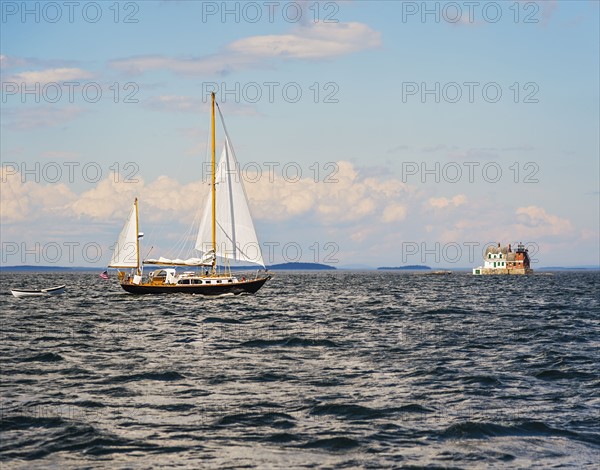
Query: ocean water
318	370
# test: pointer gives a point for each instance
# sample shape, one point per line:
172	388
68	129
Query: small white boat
38	292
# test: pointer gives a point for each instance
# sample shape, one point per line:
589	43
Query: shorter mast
128	240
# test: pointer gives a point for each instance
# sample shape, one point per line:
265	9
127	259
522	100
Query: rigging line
187	241
235	245
156	231
159	230
179	246
232	149
230	143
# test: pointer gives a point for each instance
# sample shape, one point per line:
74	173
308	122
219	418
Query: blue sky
378	154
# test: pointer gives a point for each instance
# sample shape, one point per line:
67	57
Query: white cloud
443	202
349	199
26	118
313	41
317	41
164	199
363	233
13	62
60	155
536	221
394	213
105	201
9	62
24	200
50	76
484	222
191	66
362	215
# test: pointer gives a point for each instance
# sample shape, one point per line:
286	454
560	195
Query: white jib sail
125	252
236	237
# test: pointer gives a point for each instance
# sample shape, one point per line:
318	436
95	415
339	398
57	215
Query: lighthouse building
503	260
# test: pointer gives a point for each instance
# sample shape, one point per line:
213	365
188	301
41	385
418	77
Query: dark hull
236	288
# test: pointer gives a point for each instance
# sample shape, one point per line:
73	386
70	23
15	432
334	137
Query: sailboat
226	232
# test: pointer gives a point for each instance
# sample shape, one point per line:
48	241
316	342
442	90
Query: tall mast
137	236
213	188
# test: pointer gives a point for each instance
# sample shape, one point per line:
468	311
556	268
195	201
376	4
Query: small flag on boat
104	275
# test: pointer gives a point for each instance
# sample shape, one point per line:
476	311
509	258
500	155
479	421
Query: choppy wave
290	342
483	430
339	369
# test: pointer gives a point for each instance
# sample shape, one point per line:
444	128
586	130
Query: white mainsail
235	238
125	254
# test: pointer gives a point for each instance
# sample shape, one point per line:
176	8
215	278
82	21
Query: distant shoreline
274	267
290	267
412	267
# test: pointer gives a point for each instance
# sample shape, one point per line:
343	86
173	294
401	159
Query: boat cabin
163	276
170	276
